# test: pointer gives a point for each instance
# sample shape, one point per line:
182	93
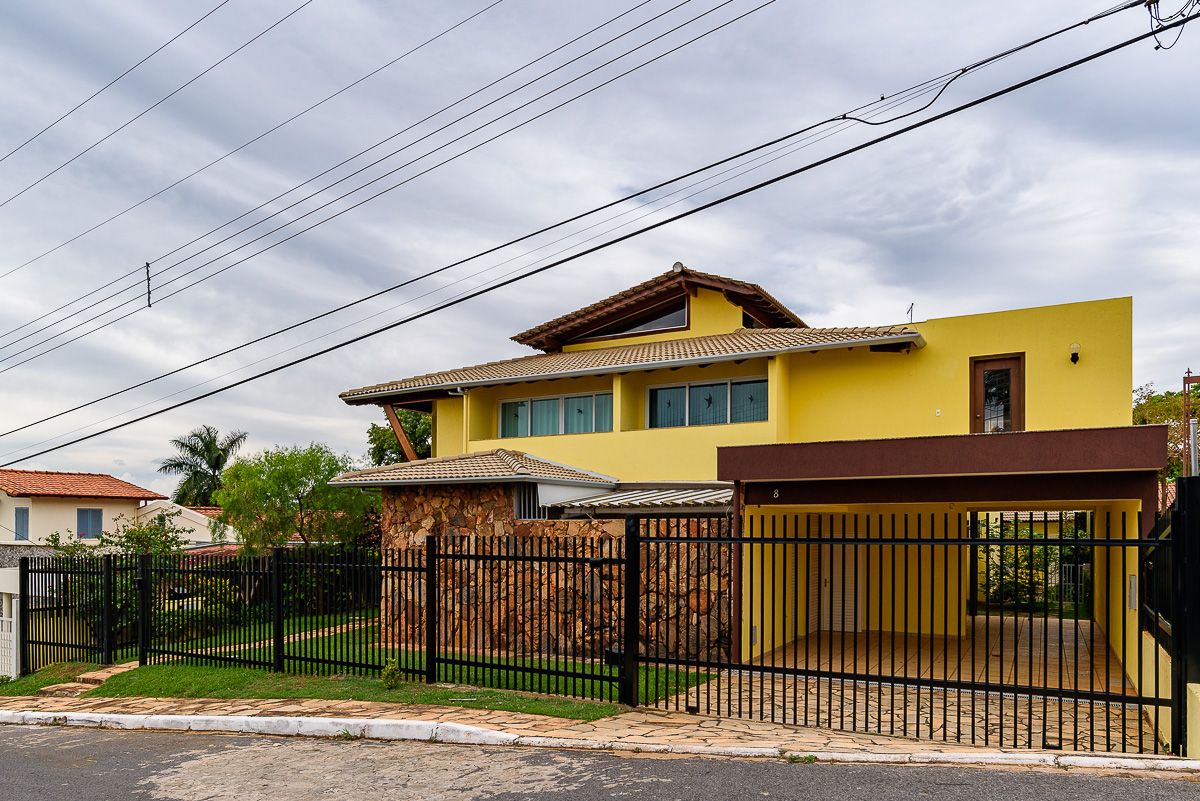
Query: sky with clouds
1081	187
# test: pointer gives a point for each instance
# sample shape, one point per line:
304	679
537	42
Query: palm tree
200	458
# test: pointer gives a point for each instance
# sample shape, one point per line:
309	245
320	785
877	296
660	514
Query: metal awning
679	499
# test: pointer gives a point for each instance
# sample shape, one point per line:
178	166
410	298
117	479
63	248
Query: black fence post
145	589
431	609
277	607
106	610
627	689
23	614
1185	559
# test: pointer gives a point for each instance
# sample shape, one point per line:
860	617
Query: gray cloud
1080	188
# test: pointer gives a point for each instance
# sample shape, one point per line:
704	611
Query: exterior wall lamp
1074	353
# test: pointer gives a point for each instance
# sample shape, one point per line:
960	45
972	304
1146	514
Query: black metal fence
1026	630
77	609
953	627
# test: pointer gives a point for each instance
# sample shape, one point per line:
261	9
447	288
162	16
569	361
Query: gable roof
676	283
741	344
499	465
51	484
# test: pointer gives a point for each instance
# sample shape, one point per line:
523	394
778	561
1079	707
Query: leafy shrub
392	677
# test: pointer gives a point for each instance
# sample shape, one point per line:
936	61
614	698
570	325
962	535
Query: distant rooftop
53	484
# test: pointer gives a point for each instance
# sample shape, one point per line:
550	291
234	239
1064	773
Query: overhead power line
251	141
161	100
951	76
109	85
357	204
135	285
1014	87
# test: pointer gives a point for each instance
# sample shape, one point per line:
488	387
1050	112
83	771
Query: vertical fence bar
628	689
145	588
431	608
277	609
106	610
23	614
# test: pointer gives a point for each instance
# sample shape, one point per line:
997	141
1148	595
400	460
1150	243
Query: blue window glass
668	407
89	523
544	418
578	414
708	404
514	419
604	412
747	401
21	527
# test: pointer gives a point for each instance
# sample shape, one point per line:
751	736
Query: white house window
568	414
89	523
21	524
709	403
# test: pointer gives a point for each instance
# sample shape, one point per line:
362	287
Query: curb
457	733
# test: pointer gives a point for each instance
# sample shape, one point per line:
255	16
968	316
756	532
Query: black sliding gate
1041	630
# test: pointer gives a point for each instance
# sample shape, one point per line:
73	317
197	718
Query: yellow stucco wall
833	394
48	515
927	391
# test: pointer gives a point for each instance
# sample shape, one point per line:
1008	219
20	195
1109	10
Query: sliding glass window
705	404
572	414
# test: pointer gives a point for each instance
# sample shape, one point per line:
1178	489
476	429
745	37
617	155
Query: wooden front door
997	394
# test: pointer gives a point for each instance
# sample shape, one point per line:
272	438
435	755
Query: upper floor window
997	394
708	403
569	414
21	523
89	523
668	316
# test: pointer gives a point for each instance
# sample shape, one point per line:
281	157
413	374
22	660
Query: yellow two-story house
693	393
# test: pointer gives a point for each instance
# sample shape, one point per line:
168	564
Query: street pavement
72	764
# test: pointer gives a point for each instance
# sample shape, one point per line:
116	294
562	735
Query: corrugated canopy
684	498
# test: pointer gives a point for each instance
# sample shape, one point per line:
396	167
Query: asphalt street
70	764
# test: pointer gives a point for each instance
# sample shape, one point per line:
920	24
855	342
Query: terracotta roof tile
208	511
498	465
662	285
45	483
741	344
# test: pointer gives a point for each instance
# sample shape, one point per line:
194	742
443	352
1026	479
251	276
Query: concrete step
98	677
70	689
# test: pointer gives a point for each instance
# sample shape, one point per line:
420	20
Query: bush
392	677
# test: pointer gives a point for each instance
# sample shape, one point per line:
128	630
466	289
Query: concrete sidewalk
635	731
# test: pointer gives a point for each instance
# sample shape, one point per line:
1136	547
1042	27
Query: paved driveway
92	765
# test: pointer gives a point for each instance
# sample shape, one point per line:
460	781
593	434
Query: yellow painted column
779	372
618	404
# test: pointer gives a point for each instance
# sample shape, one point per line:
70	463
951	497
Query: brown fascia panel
1128	448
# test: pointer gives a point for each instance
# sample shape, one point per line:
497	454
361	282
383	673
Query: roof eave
354	396
509	479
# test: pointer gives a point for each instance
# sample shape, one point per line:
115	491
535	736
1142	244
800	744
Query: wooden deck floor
1042	654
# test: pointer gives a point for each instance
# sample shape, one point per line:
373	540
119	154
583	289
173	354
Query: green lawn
54	674
592	680
196	681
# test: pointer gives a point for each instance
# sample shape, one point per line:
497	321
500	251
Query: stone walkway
638	728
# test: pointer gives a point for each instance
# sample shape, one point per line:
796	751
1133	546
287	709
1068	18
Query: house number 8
775	493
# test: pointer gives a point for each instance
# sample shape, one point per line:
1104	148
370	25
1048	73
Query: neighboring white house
195	519
36	503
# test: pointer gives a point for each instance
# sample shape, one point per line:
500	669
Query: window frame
1016	363
78	532
686	326
17	536
687	396
562	406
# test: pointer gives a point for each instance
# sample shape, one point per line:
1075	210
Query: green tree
1166	408
158	535
384	448
200	458
285	491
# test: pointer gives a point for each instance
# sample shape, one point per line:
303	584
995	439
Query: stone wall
10	555
510	586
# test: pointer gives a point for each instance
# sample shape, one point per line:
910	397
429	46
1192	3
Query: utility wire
108	85
251	141
624	237
161	100
772	155
363	201
138	284
953	75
